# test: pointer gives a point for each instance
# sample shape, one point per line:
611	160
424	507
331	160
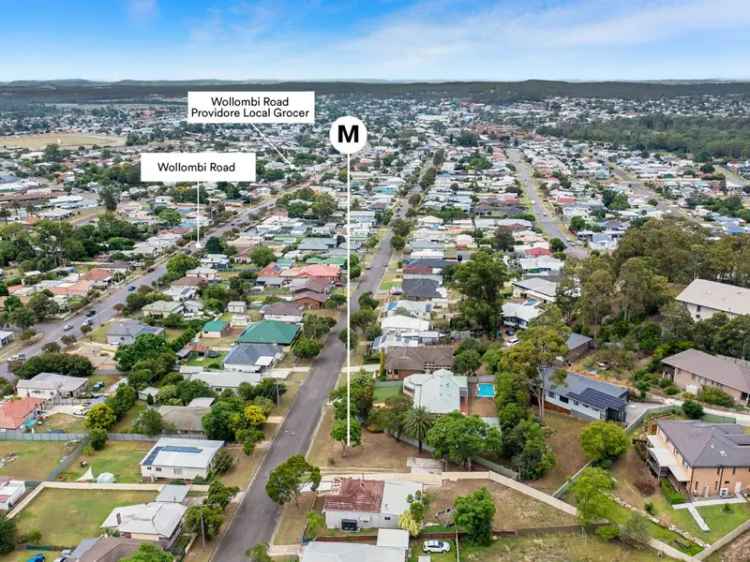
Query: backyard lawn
121	458
127	423
30	460
64	517
62	422
559	547
24	555
384	391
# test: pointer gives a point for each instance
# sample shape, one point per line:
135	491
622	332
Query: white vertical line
348	300
198	215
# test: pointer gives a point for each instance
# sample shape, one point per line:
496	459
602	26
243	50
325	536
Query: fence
52	436
494	467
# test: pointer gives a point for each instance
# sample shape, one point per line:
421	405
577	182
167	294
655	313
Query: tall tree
481	281
417	423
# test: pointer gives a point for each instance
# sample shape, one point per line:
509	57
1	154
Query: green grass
64	517
125	425
719	521
383	392
206	361
69	424
24	555
558	547
33	460
121	458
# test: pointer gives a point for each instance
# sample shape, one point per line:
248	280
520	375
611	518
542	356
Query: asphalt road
53	331
256	516
549	224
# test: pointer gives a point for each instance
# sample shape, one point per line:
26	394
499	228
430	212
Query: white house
704	298
354	503
153	522
175	458
10	492
440	392
51	385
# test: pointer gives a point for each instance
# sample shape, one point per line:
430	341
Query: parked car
90	313
510	342
131	288
436	547
37	558
68	327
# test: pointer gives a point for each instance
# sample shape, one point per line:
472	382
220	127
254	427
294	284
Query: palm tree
418	422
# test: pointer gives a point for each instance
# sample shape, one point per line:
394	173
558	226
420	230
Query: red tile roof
14	412
356	495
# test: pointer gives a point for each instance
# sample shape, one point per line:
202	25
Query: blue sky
375	39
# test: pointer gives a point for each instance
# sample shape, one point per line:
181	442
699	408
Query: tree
556	245
149	553
108	199
481	281
179	264
503	240
222	462
145	347
474	513
287	480
467	362
254	415
692	409
590	491
149	422
219	494
407	522
306	348
396	408
535	457
459	438
640	289
122	400
8	535
315	522
417	424
97	438
63	363
204	520
362	389
262	256
100	416
259	553
597	296
635	530
339	433
604	441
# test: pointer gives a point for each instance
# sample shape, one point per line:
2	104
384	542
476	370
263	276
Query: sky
375	39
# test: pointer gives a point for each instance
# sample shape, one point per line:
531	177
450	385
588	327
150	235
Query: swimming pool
485	390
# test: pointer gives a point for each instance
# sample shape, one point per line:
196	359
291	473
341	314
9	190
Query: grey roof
184	418
132	328
283	309
173	493
183	453
708	444
718	296
577	340
346	552
154	518
420	288
723	370
245	354
53	381
576	387
543	286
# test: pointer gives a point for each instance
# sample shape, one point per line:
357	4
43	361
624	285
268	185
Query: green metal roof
214	326
269	331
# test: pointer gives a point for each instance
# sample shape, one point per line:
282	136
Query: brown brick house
400	362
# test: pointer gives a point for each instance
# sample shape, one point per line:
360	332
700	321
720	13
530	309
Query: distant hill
487	92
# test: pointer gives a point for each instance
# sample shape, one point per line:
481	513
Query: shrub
711	395
98	438
608	532
650	508
692	409
223	461
670	494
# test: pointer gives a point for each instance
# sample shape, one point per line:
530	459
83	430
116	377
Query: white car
68	327
436	547
510	342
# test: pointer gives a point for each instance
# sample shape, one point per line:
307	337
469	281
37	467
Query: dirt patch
565	440
39	142
513	509
294	519
378	452
736	551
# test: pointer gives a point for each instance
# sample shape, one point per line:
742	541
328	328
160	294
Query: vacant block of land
64	517
31	460
121	458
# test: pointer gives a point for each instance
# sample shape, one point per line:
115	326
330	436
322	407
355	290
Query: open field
34	460
64	517
121	458
378	452
564	439
560	547
40	141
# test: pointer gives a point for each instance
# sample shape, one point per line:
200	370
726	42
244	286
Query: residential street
551	225
256	517
53	331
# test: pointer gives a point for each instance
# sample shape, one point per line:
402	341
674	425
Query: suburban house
704	298
252	357
584	397
51	385
124	332
223	380
420	289
10	492
398	324
693	369
353	503
283	312
269	331
185	419
518	315
215	329
578	346
162	309
535	288
184	459
440	392
14	414
103	549
401	362
153	521
703	459
346	551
